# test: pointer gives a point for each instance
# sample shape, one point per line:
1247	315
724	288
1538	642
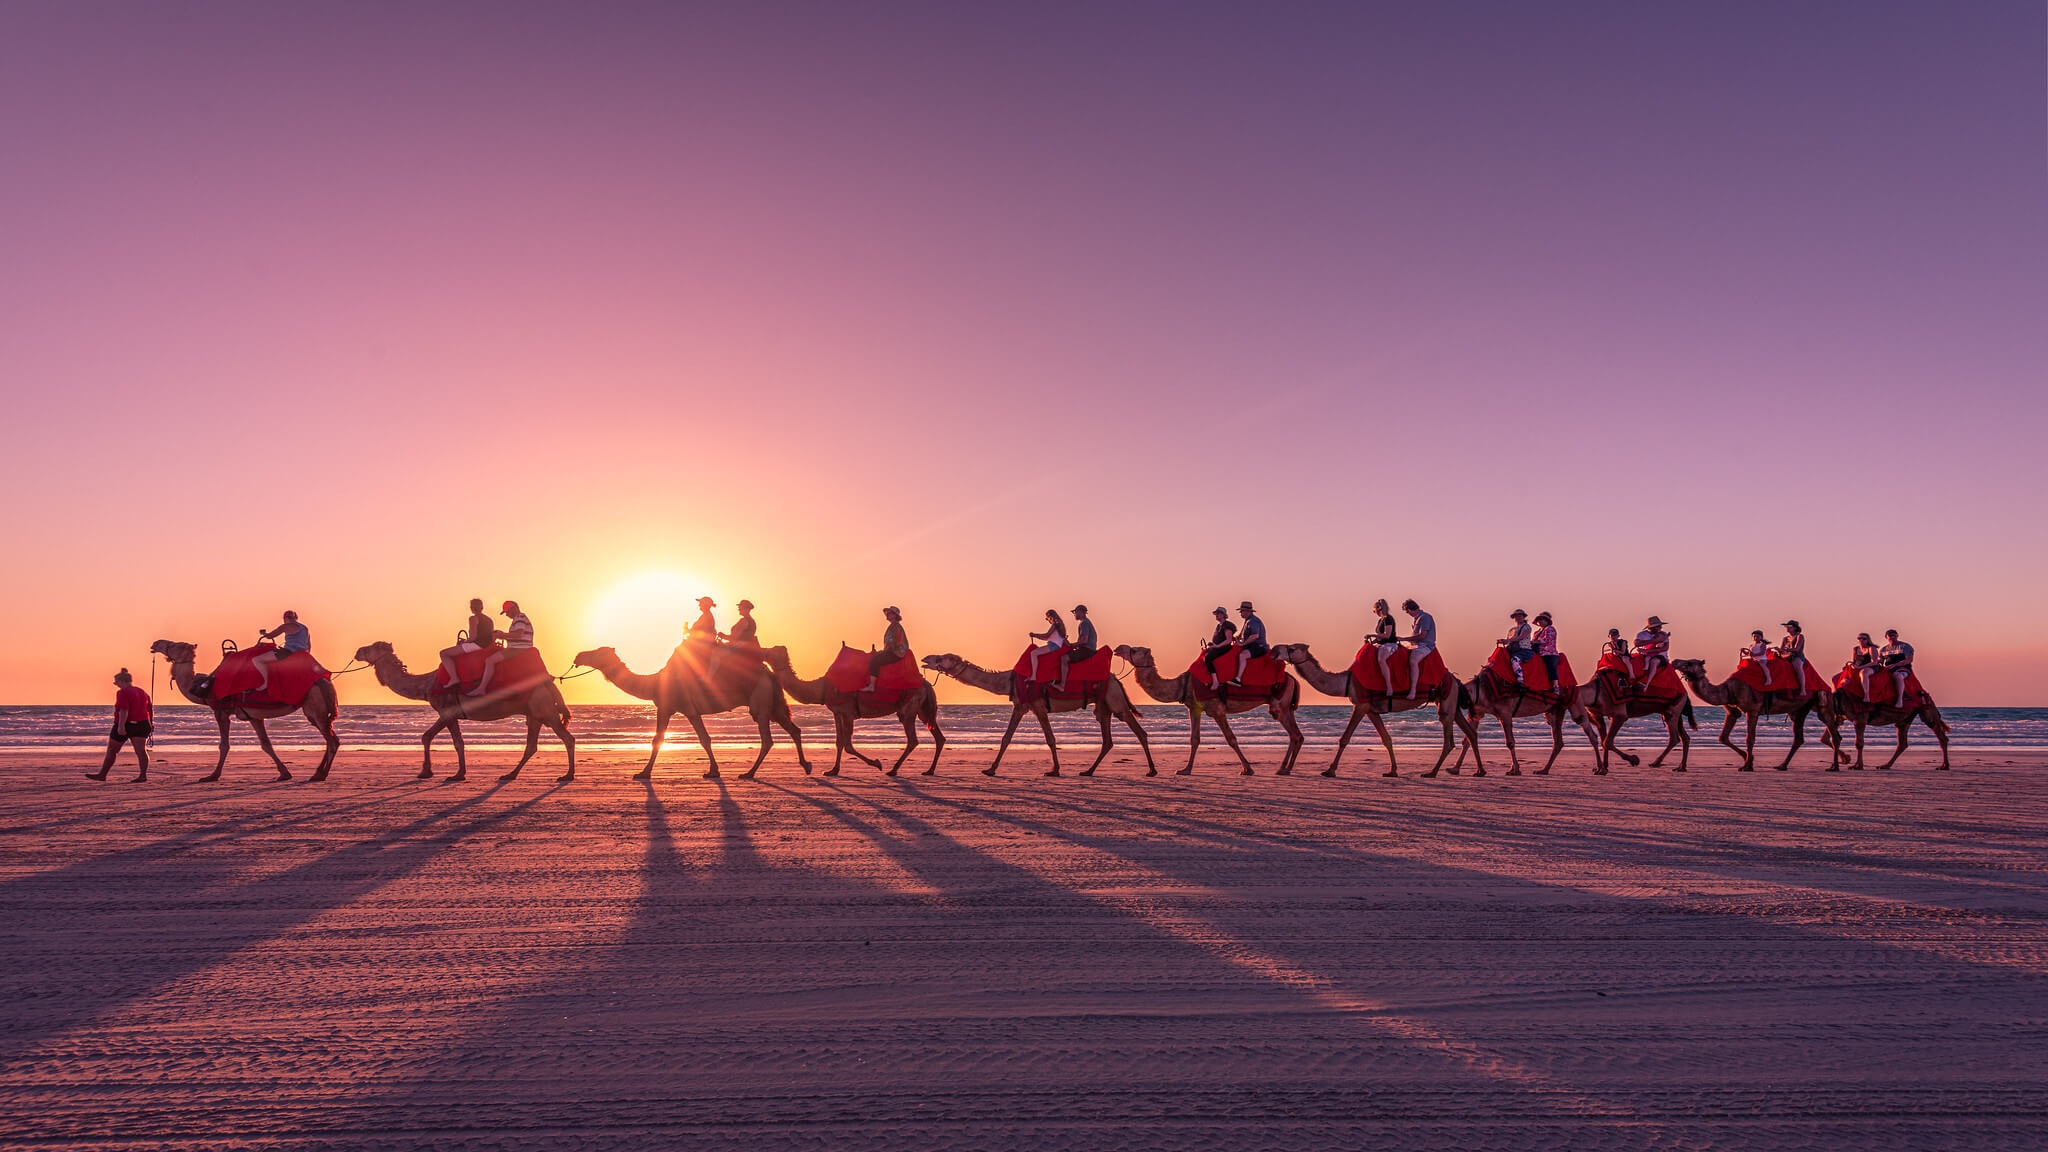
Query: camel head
945	663
1136	657
175	651
1692	670
776	657
1292	653
605	660
375	653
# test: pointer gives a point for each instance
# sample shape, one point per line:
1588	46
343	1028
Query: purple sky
1725	312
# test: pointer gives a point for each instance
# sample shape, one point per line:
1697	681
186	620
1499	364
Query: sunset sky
1726	312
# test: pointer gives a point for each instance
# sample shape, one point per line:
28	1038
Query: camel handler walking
1896	657
1792	650
518	636
132	718
297	638
895	646
1653	644
1083	646
482	634
1419	643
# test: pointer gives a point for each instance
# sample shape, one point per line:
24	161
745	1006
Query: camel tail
1689	721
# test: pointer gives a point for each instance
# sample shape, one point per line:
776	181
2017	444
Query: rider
1220	641
1420	643
131	722
1862	661
1251	641
1082	648
1792	650
1520	642
1055	642
1653	644
704	629
1382	640
895	646
1617	645
297	638
482	634
1896	657
1759	653
518	636
1546	646
744	630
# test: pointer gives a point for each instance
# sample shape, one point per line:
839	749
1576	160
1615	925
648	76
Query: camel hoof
1476	772
711	774
1833	768
989	771
1429	775
647	775
215	778
508	777
1187	771
1284	772
317	777
1599	771
1053	772
831	772
1509	772
1453	770
1086	772
1384	775
1633	762
425	774
1151	771
458	778
282	776
931	771
807	769
1784	767
565	779
1537	772
1941	768
1247	771
1327	772
1747	768
1680	768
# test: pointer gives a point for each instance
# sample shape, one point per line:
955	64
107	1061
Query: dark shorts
137	730
1257	650
1075	653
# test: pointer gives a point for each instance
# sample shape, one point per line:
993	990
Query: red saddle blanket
1093	670
1664	685
1261	673
1535	676
1751	673
1365	671
290	678
524	668
849	673
1883	689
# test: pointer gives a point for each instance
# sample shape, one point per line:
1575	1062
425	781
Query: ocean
601	727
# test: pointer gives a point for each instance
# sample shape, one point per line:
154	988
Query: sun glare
644	616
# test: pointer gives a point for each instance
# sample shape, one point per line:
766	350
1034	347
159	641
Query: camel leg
1674	730
221	718
1447	715
1904	727
1359	712
461	752
1798	737
846	722
1507	736
532	746
1294	740
1858	765
796	736
324	721
931	725
1749	749
910	741
766	738
1614	733
568	745
1145	745
284	773
1222	717
427	747
661	719
1102	718
1939	727
1556	741
1016	717
1195	714
1044	715
1728	727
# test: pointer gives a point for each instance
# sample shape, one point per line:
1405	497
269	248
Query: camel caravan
493	673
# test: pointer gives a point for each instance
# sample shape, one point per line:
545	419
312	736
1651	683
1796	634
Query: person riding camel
518	638
1383	642
1054	641
1653	644
704	629
1792	650
1220	642
482	634
1084	645
1896	657
1546	646
1520	643
895	646
744	631
1863	661
1760	653
131	722
1419	643
1251	641
297	638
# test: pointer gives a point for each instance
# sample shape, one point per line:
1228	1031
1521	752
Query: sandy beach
1771	960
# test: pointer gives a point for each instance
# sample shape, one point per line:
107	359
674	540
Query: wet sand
1761	960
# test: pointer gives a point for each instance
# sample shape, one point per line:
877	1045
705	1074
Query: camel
847	707
1481	696
1610	711
1740	700
320	708
1849	705
680	687
1201	702
1111	701
540	704
1446	697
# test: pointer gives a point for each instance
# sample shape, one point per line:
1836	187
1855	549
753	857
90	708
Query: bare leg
1899	681
1383	655
1415	659
107	764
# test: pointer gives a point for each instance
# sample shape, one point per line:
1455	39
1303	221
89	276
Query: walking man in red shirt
131	722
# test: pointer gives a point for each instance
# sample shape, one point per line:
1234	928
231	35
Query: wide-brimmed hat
1220	611
1656	621
707	601
1543	616
1517	612
1245	606
1794	624
747	604
893	608
1080	607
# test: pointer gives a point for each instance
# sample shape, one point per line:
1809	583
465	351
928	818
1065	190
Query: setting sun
644	616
